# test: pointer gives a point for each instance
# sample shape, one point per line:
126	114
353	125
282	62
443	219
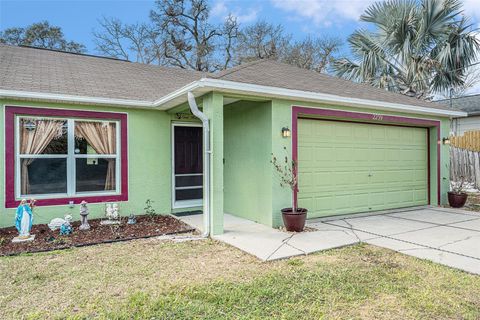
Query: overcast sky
78	18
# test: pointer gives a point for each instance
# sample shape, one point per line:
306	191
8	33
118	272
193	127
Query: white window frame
183	203
71	157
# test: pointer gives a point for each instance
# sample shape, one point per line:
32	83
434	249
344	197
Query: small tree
149	209
40	35
458	187
287	172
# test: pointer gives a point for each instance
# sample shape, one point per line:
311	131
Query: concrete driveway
447	236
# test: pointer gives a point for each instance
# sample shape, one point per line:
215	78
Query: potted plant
294	217
457	197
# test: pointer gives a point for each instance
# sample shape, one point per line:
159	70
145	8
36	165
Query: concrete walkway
447	236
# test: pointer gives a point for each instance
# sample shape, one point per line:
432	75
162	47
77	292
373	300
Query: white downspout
206	162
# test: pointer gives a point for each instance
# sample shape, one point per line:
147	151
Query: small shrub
149	209
116	231
60	241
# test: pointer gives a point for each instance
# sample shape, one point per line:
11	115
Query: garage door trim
299	112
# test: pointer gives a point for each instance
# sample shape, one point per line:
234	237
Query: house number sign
377	116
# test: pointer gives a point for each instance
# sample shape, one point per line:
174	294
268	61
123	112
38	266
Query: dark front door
188	165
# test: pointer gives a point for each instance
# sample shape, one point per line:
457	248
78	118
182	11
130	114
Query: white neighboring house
469	104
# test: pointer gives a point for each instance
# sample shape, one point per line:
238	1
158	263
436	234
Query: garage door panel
360	155
361	133
419	196
354	167
323	154
421	175
377	133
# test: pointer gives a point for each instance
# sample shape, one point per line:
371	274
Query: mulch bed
47	240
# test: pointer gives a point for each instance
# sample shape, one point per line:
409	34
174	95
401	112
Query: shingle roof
277	74
469	104
47	71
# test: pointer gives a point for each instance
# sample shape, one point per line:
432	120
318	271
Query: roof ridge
228	71
132	63
66	52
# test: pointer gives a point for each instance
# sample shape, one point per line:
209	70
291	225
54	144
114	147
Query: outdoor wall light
446	140
286	132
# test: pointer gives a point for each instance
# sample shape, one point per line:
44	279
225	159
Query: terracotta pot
457	200
294	221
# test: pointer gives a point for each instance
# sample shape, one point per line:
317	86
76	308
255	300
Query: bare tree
40	35
189	40
178	34
312	54
228	43
262	40
181	35
138	42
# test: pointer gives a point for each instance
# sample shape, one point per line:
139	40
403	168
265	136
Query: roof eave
205	85
54	97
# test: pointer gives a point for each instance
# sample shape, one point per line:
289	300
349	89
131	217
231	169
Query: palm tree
418	47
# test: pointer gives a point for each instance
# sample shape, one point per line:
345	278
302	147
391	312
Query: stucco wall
149	151
247	169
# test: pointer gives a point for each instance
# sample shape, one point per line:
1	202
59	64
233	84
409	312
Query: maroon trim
371	118
295	152
11	112
428	169
438	164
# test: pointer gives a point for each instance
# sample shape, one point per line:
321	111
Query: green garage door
347	167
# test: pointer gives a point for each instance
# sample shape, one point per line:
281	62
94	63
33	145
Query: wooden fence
469	141
465	158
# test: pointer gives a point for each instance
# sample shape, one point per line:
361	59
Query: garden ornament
115	214
56	223
83	216
132	219
108	210
111	213
23	221
66	229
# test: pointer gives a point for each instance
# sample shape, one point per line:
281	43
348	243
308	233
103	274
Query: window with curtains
66	157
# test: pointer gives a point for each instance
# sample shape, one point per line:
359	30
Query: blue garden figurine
66	229
23	221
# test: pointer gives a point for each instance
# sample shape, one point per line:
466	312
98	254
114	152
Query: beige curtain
34	140
102	136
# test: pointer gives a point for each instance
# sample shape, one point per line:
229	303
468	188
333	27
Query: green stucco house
76	127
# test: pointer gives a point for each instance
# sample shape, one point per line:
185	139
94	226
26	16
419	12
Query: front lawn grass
150	279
